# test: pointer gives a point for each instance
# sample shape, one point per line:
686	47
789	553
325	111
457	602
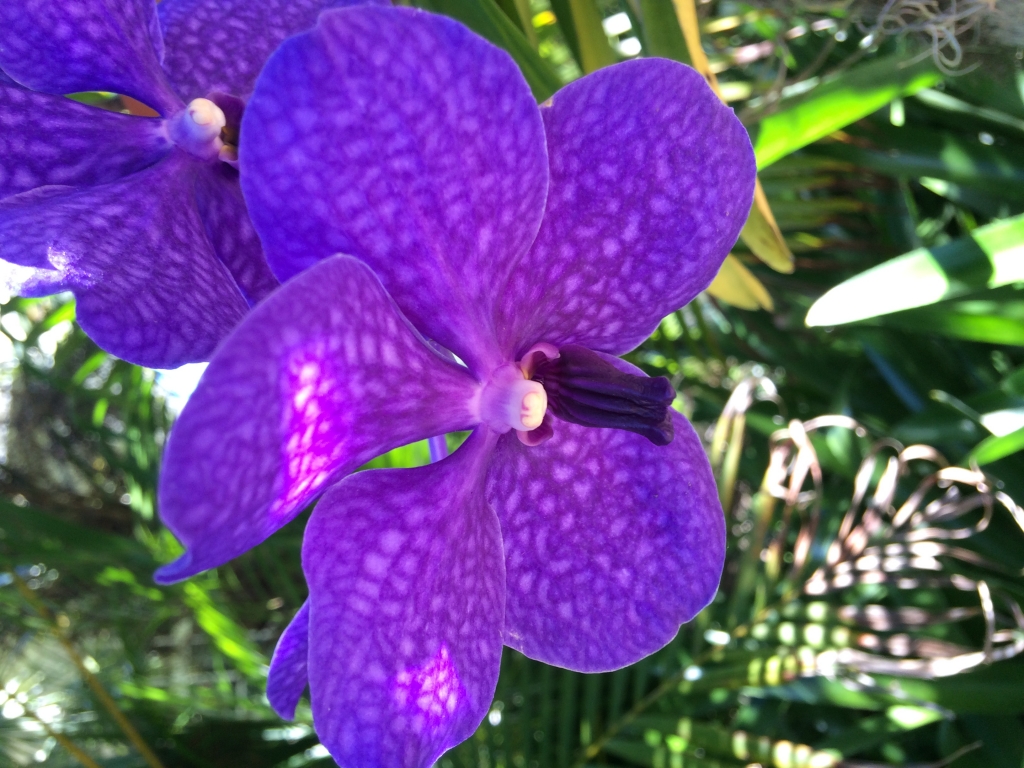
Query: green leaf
661	33
990	322
226	634
594	50
837	103
486	19
994	447
997	170
992	256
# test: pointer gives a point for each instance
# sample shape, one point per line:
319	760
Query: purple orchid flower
579	522
142	218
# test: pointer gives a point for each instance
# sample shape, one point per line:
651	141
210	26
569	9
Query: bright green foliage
838	102
787	667
989	257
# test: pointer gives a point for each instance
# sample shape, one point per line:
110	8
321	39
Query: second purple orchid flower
495	259
141	217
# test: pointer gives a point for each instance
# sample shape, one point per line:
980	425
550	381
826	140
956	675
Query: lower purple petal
322	376
219	197
149	287
406	588
52	140
289	676
610	542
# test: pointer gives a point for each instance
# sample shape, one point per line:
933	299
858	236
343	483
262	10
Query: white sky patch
178	384
617	24
630	46
1001	423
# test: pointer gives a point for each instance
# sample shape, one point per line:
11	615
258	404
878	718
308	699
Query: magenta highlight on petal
315	429
429	694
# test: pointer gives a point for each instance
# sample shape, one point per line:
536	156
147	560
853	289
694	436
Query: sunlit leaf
994	447
837	103
737	285
761	234
992	256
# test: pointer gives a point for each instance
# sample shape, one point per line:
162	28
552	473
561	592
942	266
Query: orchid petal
610	542
405	140
86	45
221	45
322	376
651	180
289	668
219	197
406	592
135	254
48	140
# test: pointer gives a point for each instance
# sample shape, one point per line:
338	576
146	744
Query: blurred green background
869	613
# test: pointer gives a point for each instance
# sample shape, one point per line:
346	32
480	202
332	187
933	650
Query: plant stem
73	749
105	699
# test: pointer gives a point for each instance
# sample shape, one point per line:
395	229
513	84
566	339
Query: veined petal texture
135	254
403	139
219	197
611	543
652	179
322	376
48	140
289	668
406	588
221	45
86	45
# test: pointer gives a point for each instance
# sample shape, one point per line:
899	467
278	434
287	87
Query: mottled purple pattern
221	45
407	593
289	676
64	46
323	376
134	252
219	197
5	79
405	140
610	542
651	180
48	139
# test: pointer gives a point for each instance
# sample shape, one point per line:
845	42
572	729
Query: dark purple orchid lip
583	388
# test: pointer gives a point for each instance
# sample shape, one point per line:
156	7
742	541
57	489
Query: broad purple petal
221	45
86	45
322	376
219	197
48	140
406	589
610	542
289	668
134	252
403	139
651	180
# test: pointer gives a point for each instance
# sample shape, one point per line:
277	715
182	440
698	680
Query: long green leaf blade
992	256
837	103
